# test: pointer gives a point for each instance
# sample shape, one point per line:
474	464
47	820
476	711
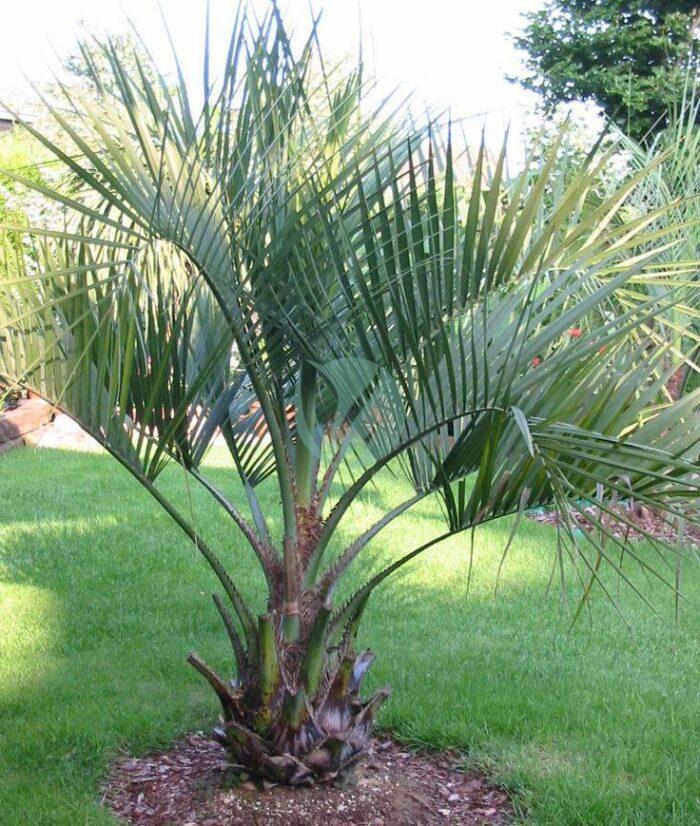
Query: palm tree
332	296
674	153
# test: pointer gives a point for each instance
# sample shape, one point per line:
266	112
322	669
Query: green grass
101	598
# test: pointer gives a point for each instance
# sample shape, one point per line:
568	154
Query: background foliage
628	56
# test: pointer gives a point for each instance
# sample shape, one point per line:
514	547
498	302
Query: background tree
628	56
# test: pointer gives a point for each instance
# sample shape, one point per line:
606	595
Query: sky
453	53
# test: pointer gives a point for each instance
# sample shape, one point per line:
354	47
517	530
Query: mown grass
101	598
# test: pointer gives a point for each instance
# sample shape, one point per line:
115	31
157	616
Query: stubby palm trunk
294	714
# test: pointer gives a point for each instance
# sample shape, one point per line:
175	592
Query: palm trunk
293	714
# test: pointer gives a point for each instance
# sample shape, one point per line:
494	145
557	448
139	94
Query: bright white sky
453	53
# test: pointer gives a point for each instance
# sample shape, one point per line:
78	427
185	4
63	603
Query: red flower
536	361
602	349
575	332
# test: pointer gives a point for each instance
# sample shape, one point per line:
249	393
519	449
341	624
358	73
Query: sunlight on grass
76	526
29	635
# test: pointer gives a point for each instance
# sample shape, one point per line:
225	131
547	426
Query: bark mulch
644	522
191	784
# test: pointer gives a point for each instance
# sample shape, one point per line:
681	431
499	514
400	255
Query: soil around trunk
191	783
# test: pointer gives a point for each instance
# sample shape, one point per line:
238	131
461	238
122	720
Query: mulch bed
191	783
643	519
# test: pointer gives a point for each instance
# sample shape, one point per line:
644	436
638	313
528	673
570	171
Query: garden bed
21	418
192	783
636	522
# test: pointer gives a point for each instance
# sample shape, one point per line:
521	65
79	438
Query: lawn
101	598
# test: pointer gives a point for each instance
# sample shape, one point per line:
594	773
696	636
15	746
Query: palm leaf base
293	740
